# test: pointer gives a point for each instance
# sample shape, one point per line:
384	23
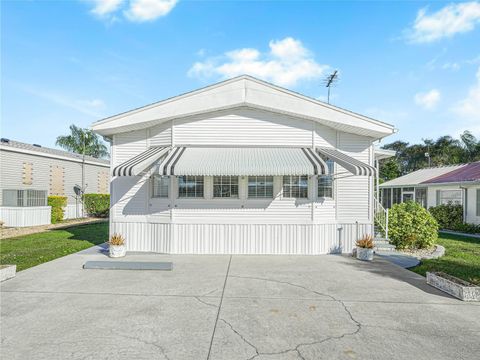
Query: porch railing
381	217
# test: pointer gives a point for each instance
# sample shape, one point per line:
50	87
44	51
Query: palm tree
83	141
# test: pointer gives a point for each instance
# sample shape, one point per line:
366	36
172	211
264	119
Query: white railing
17	216
381	217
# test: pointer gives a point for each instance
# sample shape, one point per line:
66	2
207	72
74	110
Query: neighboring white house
457	184
242	167
29	173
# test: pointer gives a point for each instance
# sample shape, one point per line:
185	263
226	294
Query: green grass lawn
462	258
30	250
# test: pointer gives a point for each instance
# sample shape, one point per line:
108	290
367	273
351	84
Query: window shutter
438	197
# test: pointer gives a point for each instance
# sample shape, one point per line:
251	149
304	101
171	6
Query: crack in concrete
242	337
151	343
204	302
296	349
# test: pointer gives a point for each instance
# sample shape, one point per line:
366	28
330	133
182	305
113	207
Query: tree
81	140
471	146
389	169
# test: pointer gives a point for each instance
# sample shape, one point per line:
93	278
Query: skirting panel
299	239
25	216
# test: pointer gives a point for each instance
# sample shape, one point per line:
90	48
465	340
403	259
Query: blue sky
413	64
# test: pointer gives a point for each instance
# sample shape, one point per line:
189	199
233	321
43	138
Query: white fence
73	211
25	216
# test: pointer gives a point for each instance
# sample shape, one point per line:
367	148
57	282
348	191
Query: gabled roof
420	176
17	146
467	173
243	92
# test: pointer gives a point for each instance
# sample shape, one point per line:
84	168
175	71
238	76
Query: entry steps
383	245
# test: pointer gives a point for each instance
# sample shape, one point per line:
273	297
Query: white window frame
196	179
226	182
265	196
441	192
331	171
162	178
292	184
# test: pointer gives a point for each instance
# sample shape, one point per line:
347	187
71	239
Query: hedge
411	226
448	216
57	203
97	205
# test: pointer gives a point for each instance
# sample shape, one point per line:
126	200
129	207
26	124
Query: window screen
161	185
225	187
295	186
190	186
260	186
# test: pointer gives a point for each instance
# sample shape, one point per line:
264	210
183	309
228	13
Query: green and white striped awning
140	162
356	167
204	161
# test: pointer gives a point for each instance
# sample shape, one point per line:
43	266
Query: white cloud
286	63
446	22
105	7
428	100
148	10
469	108
137	11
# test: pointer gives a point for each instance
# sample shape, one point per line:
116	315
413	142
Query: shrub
411	226
448	216
117	239
57	203
97	205
467	228
365	242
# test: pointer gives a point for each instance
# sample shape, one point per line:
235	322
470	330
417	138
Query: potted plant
117	246
365	248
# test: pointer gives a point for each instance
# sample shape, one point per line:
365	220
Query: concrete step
381	241
384	247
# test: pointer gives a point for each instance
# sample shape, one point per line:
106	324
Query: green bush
448	216
467	228
57	203
97	205
411	226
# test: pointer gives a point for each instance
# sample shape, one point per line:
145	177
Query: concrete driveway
233	307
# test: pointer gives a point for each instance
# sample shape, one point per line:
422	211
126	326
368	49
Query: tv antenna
329	81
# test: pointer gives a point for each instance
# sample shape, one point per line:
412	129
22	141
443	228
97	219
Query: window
397	196
160	186
421	196
24	198
190	186
449	197
225	187
295	186
325	182
260	186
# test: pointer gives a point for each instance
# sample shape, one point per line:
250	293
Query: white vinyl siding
477	202
352	193
243	127
11	174
161	135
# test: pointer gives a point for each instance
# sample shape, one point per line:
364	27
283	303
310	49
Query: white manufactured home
30	172
242	167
